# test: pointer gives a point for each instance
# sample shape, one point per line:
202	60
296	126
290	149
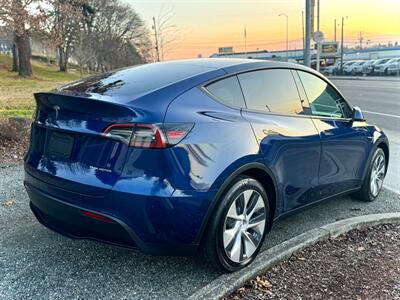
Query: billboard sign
329	49
223	50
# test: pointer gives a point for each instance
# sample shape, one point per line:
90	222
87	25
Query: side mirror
357	114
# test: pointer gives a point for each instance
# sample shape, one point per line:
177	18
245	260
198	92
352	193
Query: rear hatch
67	147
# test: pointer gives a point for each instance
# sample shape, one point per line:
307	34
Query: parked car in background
331	70
207	153
365	66
370	70
337	66
348	68
382	68
357	67
394	67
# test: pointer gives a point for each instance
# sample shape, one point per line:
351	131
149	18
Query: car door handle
327	132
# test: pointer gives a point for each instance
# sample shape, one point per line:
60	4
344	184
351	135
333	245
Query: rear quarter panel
220	142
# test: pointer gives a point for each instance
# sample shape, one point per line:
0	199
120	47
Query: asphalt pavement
36	263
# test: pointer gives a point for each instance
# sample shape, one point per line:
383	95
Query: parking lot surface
36	263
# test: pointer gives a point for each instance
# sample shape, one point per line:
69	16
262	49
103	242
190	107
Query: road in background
380	102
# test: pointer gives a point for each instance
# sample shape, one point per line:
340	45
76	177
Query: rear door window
271	90
227	91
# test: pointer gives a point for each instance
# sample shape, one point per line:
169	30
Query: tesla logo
57	110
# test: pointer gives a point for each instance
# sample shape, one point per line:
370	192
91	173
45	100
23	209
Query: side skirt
301	208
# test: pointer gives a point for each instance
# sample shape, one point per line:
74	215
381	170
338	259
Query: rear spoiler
80	113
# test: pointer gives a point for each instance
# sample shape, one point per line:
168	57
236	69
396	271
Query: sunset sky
204	25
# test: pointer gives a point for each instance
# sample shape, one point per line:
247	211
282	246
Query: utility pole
335	29
360	38
287	35
245	41
156	39
307	52
318	42
341	49
318	15
302	27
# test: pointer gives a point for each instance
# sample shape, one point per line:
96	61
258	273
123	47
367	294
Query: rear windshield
134	80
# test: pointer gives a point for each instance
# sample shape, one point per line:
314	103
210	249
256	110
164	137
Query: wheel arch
256	170
385	147
383	144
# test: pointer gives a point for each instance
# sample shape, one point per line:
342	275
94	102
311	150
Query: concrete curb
229	282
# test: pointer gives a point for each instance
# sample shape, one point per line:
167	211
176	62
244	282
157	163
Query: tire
367	192
226	233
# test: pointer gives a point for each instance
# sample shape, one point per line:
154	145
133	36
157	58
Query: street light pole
287	35
245	41
307	52
341	48
335	30
318	42
302	26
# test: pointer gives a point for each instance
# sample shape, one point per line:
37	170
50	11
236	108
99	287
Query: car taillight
96	216
156	136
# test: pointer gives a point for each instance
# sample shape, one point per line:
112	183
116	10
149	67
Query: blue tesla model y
196	154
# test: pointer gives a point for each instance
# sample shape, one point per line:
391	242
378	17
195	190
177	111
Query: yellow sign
329	48
223	50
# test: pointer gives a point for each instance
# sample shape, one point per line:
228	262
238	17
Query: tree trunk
14	56
62	60
24	55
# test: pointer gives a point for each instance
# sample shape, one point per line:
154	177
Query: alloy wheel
244	226
377	174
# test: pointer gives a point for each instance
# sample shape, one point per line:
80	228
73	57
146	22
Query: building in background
6	41
329	54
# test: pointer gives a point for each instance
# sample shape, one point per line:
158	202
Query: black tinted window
323	98
135	80
271	90
227	91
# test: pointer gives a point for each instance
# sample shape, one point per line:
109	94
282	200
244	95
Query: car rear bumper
117	228
69	221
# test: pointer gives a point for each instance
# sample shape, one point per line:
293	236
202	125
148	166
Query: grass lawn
16	93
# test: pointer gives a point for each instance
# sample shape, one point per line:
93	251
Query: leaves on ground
362	264
9	202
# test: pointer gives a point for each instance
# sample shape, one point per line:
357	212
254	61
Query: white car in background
348	68
336	70
332	70
357	68
394	67
382	68
368	66
370	70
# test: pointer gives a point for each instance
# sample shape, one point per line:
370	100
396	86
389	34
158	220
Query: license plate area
59	145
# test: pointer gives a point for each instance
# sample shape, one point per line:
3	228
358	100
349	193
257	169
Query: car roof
142	79
165	80
227	63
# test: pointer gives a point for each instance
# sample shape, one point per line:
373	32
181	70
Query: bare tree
20	16
84	52
119	34
65	19
167	34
